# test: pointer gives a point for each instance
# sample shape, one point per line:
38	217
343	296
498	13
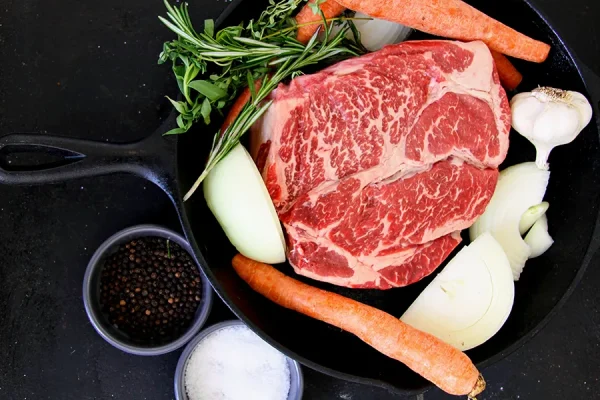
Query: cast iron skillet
174	163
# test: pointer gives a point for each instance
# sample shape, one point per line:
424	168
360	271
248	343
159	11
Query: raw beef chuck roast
376	163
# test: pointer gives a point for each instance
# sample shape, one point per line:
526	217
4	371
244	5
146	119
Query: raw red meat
376	163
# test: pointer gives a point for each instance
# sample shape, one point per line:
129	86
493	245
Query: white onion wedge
531	216
469	301
376	33
538	239
238	198
519	187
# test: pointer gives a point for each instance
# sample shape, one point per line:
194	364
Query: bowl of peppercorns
144	293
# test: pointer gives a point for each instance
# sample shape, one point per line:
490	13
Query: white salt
233	363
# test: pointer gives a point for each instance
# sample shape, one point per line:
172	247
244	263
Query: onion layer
531	216
238	198
538	239
519	187
376	33
469	301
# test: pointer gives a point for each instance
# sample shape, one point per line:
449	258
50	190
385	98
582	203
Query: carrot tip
478	388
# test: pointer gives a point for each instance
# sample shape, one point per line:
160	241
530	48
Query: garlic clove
557	124
581	104
525	110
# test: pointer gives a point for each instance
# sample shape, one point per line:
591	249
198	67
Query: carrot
454	19
330	9
450	369
509	76
238	105
236	108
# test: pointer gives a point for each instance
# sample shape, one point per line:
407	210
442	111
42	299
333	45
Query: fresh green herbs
259	56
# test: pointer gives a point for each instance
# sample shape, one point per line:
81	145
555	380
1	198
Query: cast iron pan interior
573	194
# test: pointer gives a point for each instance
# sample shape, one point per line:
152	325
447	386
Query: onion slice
239	200
469	301
538	239
531	216
519	187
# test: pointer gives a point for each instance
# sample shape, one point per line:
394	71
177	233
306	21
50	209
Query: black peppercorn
159	276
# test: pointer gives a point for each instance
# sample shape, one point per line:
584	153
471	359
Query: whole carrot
453	19
306	15
510	77
445	366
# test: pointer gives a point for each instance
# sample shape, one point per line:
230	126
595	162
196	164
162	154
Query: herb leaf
209	27
179	105
314	6
205	111
210	90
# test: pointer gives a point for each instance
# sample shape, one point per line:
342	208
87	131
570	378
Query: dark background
87	69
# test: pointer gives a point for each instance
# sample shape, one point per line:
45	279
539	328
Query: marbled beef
376	163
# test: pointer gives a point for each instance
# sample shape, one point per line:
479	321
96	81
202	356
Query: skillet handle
151	158
75	159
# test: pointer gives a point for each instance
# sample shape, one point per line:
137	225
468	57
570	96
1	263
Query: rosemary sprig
265	50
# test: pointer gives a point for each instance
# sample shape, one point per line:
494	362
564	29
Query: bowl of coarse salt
227	361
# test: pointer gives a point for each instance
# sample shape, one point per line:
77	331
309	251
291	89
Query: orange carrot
236	108
238	105
330	9
509	76
453	19
450	369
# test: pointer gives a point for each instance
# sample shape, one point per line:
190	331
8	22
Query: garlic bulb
549	117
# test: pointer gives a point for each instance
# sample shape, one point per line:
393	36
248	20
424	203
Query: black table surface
87	69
